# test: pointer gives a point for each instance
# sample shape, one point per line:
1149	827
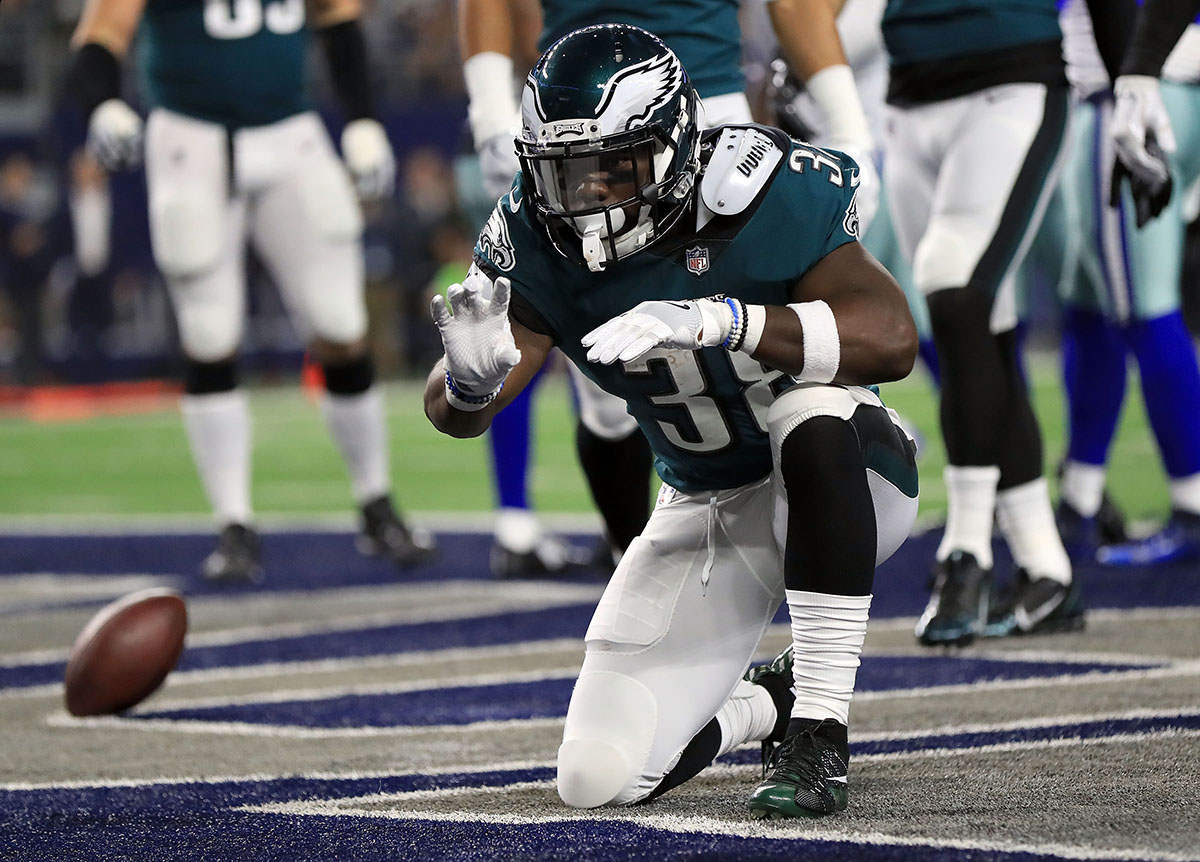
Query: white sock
1185	493
218	430
827	639
358	428
517	530
1026	520
971	506
1082	486
747	716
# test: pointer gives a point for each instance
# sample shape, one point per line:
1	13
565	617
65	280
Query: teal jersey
916	31
233	62
703	411
705	34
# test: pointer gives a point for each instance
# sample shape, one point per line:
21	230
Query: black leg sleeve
831	535
1021	452
618	475
975	380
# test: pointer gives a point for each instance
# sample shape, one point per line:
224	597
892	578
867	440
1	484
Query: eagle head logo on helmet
609	142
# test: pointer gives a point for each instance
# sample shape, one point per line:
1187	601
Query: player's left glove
477	338
684	325
368	156
1142	137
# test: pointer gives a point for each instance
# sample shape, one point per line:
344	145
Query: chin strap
594	232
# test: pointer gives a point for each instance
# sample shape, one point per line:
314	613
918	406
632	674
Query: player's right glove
498	163
477	337
1142	137
115	135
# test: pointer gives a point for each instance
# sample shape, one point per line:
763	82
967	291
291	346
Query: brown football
125	652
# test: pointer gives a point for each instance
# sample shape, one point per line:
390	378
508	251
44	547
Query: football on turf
125	652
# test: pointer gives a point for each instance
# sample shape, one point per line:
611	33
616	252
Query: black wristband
95	76
346	53
1160	23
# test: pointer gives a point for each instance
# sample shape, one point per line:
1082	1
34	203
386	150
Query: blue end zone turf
548	698
315	560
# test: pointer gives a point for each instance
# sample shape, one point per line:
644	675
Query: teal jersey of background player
705	34
235	63
922	30
703	411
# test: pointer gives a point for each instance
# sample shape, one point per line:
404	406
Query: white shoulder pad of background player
741	164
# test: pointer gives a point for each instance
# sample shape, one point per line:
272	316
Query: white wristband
834	91
822	346
756	319
493	105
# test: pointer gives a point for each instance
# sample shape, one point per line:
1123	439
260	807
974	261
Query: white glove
115	135
368	156
868	185
1140	112
499	163
477	337
685	325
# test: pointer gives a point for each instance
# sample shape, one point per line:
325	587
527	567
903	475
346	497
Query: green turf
139	464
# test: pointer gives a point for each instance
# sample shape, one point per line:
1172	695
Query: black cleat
958	606
548	558
1111	522
806	775
384	534
1037	606
236	557
1083	536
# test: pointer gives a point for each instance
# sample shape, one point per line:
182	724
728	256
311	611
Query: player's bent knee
591	772
947	254
206	335
804	402
609	731
340	320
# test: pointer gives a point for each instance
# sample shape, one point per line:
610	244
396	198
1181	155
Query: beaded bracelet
466	401
737	332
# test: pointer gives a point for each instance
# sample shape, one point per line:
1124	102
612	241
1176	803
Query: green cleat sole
777	801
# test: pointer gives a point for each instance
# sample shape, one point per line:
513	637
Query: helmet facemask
606	185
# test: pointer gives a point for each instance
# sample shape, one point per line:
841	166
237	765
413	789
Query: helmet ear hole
604	96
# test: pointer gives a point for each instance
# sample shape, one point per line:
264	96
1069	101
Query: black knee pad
831	536
349	378
208	378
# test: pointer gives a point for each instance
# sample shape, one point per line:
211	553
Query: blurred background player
234	153
497	43
978	111
796	112
1125	297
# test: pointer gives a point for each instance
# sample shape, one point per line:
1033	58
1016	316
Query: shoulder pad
743	160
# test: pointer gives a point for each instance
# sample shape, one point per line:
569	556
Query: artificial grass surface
139	464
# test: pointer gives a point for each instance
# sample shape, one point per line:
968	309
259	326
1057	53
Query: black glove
1151	192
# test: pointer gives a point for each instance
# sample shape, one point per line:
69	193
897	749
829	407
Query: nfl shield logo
697	260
